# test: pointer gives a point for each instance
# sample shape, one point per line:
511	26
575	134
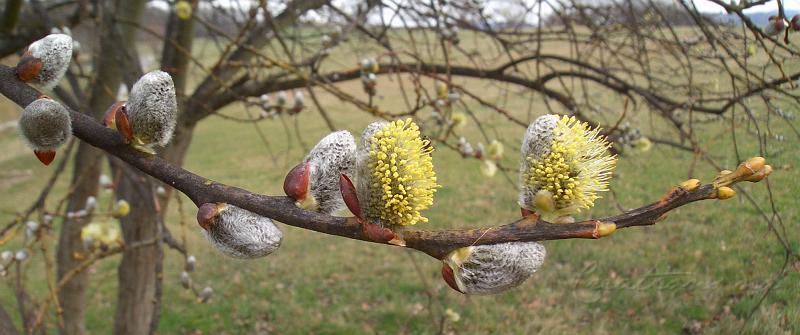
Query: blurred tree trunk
87	162
6	325
140	272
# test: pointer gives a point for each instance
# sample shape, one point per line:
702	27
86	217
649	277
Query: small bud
464	147
795	23
161	191
370	65
31	227
122	208
91	203
205	295
186	281
21	256
745	171
725	193
751	166
47	219
751	50
775	26
191	263
606	228
642	144
282	98
45	125
690	185
183	10
81	213
453	96
6	255
299	102
760	174
104	181
441	89
326	40
495	150
453	316
488	168
110	116
459	120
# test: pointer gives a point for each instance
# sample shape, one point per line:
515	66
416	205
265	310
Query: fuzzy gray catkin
55	53
491	269
237	232
152	108
333	156
536	143
45	125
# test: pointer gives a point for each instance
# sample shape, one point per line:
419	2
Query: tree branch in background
434	243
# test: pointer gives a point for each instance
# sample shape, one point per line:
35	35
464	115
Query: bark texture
87	166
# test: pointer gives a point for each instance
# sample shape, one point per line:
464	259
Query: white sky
708	6
497	6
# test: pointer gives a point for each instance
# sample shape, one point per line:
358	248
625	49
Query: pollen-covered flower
396	180
564	165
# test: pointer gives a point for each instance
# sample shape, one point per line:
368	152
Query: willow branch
434	243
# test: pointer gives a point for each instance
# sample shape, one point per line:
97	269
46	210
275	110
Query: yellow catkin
577	167
402	178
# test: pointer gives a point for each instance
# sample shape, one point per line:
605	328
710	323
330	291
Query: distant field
708	264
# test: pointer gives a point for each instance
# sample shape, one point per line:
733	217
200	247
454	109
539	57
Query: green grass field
707	265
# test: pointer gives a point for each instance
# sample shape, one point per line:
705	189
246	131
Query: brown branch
434	243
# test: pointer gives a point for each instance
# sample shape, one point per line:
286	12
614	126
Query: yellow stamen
402	178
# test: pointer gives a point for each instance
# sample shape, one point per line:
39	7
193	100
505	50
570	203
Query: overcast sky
708	6
508	7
